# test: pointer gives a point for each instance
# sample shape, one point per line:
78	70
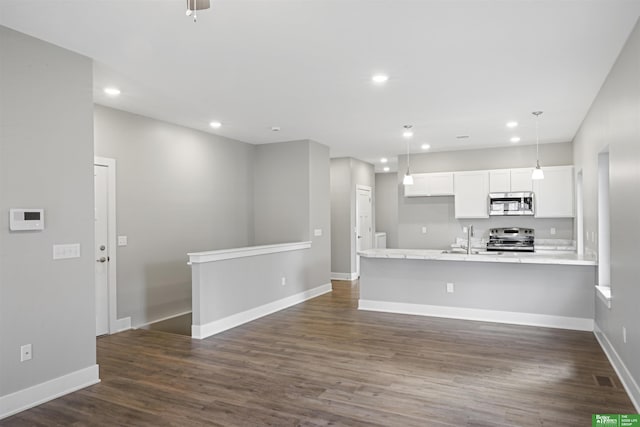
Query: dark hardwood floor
324	362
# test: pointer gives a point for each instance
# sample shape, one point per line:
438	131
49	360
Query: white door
364	226
101	184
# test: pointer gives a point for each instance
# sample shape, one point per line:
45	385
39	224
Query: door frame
355	246
110	164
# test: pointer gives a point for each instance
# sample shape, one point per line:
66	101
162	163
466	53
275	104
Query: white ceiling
455	67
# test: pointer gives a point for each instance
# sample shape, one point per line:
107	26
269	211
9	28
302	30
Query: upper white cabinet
430	184
554	194
472	189
510	180
521	179
499	181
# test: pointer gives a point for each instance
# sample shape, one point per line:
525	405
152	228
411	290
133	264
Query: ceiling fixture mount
408	179
407	133
537	172
275	128
193	6
462	136
512	125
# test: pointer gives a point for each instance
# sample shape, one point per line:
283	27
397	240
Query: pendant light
408	179
537	172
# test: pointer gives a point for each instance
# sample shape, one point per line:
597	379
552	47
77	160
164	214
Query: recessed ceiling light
425	146
379	78
515	139
384	160
215	125
112	91
512	125
386	169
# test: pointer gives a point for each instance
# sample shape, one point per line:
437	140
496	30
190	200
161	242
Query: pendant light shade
408	133
537	172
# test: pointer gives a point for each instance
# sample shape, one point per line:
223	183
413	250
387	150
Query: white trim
40	393
221	325
604	293
628	382
162	319
344	276
123	324
110	164
219	255
529	319
355	252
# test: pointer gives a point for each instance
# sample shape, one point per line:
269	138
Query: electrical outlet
624	335
450	288
283	281
25	352
553	231
464	229
424	230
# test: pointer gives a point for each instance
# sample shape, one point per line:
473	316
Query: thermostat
26	219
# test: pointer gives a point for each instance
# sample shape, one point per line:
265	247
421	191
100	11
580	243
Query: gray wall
46	156
346	174
281	197
387	206
319	256
178	191
437	213
614	122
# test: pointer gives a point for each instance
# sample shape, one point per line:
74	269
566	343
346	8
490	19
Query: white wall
437	213
178	190
614	122
46	156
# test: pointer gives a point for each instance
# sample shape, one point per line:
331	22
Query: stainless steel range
513	239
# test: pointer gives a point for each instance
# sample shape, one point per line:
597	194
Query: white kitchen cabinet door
499	181
419	187
471	194
554	194
521	179
430	184
440	184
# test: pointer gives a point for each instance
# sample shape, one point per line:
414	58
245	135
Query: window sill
604	293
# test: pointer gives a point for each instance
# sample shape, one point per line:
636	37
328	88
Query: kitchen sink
463	252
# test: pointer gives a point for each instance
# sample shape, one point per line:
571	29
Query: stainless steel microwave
504	204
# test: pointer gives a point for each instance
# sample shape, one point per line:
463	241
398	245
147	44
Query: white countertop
550	257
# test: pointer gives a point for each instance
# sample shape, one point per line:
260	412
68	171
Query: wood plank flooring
324	363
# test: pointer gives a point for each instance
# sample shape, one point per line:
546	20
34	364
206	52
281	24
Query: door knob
102	259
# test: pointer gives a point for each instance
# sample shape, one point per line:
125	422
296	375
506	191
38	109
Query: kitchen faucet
469	236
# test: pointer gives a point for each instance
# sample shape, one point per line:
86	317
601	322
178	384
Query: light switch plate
66	251
317	232
424	230
25	352
553	231
122	241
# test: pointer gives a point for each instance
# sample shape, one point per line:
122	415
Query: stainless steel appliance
501	204
513	239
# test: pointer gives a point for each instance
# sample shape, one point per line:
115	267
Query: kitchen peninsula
550	290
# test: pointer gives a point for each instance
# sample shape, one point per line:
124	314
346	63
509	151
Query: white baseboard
344	276
529	319
628	382
217	326
123	324
29	397
162	319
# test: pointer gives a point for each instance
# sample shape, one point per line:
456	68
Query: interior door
364	226
101	248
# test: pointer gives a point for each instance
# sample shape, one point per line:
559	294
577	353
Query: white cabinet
521	179
499	181
472	189
554	194
430	184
